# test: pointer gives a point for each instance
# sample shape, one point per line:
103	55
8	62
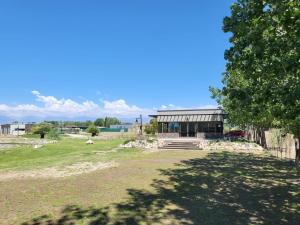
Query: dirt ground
24	199
57	172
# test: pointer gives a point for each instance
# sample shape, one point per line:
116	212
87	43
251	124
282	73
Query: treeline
261	85
53	128
99	122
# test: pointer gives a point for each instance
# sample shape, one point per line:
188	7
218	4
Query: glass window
205	127
219	128
173	127
201	127
212	128
165	128
159	127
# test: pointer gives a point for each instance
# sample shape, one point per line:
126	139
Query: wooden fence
281	147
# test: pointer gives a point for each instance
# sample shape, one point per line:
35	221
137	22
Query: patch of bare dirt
56	172
102	136
13	142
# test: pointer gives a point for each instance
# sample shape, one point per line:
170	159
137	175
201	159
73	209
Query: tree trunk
297	148
256	135
263	141
258	138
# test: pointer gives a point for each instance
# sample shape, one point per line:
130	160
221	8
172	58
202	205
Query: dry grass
22	200
170	187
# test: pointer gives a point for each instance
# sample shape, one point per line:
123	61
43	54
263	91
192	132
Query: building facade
191	123
15	128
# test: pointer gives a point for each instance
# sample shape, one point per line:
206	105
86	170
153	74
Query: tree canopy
99	122
42	129
111	121
93	130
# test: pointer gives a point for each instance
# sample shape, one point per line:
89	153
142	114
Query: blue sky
136	56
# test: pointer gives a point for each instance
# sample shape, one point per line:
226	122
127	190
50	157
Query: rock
89	142
144	144
204	144
37	146
228	145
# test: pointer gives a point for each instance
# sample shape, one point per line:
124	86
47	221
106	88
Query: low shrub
93	130
128	141
150	140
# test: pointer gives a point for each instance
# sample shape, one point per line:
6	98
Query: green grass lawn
167	187
65	152
37	136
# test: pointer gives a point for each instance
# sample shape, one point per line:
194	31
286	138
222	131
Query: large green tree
99	122
261	85
111	121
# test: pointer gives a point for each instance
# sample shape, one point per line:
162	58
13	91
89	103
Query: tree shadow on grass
222	188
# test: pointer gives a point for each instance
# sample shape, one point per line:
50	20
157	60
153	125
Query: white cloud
120	107
51	106
174	107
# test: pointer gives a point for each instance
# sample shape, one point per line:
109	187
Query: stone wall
168	135
199	135
209	135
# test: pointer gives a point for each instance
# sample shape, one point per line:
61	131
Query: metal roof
190	112
190	115
191	118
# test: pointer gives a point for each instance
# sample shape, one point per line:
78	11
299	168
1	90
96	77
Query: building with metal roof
191	123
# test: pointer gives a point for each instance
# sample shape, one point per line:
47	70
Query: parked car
235	134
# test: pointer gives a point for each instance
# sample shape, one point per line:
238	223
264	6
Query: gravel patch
56	172
7	146
7	143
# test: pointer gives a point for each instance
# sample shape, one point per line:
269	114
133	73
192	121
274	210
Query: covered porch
190	129
187	124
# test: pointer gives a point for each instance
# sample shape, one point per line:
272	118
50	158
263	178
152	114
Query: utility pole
140	119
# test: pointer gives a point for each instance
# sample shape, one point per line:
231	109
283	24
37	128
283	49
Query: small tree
151	128
93	130
54	134
42	129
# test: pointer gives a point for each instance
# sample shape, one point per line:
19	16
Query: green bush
93	130
42	129
54	134
128	140
150	140
151	128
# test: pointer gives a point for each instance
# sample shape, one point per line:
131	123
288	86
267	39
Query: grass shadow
222	188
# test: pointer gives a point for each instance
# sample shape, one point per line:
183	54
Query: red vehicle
236	134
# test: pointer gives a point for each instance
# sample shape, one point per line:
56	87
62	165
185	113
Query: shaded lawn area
220	188
66	151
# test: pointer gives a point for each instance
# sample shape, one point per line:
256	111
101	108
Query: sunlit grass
65	151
